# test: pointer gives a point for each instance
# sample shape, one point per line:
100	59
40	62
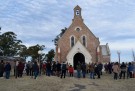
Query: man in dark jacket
97	70
123	70
109	68
58	68
100	67
35	69
63	68
1	68
83	69
28	68
48	68
7	70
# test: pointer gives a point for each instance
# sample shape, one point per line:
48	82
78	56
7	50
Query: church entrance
78	57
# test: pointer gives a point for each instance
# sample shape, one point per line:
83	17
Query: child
71	70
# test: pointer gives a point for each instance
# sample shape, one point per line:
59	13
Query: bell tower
77	12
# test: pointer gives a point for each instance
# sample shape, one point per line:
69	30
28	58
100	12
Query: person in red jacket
20	69
44	68
71	70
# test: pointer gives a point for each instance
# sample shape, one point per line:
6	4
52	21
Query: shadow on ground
78	87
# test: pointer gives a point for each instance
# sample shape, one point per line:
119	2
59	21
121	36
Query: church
79	44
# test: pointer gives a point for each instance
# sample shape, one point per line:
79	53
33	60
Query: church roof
77	7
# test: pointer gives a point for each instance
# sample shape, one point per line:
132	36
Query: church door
78	57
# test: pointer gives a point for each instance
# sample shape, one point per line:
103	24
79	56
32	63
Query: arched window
72	41
84	40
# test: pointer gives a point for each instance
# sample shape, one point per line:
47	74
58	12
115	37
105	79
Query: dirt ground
53	83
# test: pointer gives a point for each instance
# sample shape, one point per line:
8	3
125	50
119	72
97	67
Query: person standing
28	68
78	67
63	68
92	67
115	70
44	68
7	70
58	68
133	70
1	68
67	66
40	68
35	69
97	70
109	68
106	68
16	69
83	69
88	68
54	68
100	67
123	70
130	70
48	68
31	69
71	71
20	69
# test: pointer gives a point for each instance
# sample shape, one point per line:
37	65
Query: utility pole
133	55
118	52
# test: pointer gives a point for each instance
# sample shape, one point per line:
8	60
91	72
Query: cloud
39	21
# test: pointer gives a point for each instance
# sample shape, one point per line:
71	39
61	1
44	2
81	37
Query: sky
40	21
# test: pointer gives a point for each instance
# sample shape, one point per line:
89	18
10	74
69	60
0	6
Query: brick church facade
79	44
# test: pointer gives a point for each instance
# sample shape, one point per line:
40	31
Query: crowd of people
93	70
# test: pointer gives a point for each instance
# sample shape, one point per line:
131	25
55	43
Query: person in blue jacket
7	70
130	70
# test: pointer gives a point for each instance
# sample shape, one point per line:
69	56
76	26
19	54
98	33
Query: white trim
78	27
98	49
58	49
78	47
70	39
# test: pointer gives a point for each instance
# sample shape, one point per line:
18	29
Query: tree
9	44
50	55
33	51
23	51
59	36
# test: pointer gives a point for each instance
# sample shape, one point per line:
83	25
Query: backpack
78	67
64	67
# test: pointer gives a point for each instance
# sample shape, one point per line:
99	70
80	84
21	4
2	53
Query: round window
77	29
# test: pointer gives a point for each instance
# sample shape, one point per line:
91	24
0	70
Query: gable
77	22
78	48
84	30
